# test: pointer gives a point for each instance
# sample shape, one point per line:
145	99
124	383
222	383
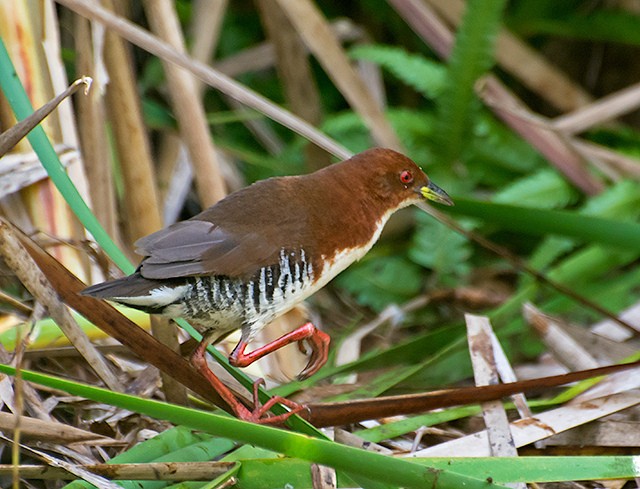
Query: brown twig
346	412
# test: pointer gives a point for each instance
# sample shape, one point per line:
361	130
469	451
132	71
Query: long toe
319	343
260	413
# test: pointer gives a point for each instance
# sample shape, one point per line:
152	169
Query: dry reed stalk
142	214
206	23
141	197
187	106
92	123
294	69
205	29
212	77
262	56
600	111
314	29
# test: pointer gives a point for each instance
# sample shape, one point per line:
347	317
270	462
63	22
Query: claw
319	343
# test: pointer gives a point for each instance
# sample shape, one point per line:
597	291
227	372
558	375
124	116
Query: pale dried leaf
568	351
19	170
51	431
616	332
540	427
479	336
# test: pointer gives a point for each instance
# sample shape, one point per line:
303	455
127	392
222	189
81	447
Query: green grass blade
371	465
541	469
499	469
540	222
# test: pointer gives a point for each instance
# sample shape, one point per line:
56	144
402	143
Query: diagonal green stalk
371	465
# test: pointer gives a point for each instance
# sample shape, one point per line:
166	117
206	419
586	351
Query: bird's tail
141	293
131	285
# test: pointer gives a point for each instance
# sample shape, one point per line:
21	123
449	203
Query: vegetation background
524	111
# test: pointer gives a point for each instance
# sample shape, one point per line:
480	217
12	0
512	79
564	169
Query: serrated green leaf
439	248
471	57
424	75
545	189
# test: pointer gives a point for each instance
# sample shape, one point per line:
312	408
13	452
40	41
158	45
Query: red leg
318	340
257	415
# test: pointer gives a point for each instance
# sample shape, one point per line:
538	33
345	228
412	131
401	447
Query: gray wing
195	247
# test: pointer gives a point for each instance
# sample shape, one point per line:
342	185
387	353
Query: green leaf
378	282
440	249
620	202
471	57
545	189
424	75
414	127
539	222
495	144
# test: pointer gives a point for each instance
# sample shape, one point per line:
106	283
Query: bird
264	249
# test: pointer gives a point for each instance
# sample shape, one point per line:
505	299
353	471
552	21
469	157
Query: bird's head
396	180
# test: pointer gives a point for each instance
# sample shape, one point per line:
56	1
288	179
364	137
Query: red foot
260	413
318	341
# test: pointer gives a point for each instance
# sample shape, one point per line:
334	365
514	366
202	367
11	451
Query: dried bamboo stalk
214	78
187	106
317	35
91	114
205	30
294	69
140	200
602	110
263	56
160	471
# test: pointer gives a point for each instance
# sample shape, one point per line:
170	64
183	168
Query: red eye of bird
406	177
